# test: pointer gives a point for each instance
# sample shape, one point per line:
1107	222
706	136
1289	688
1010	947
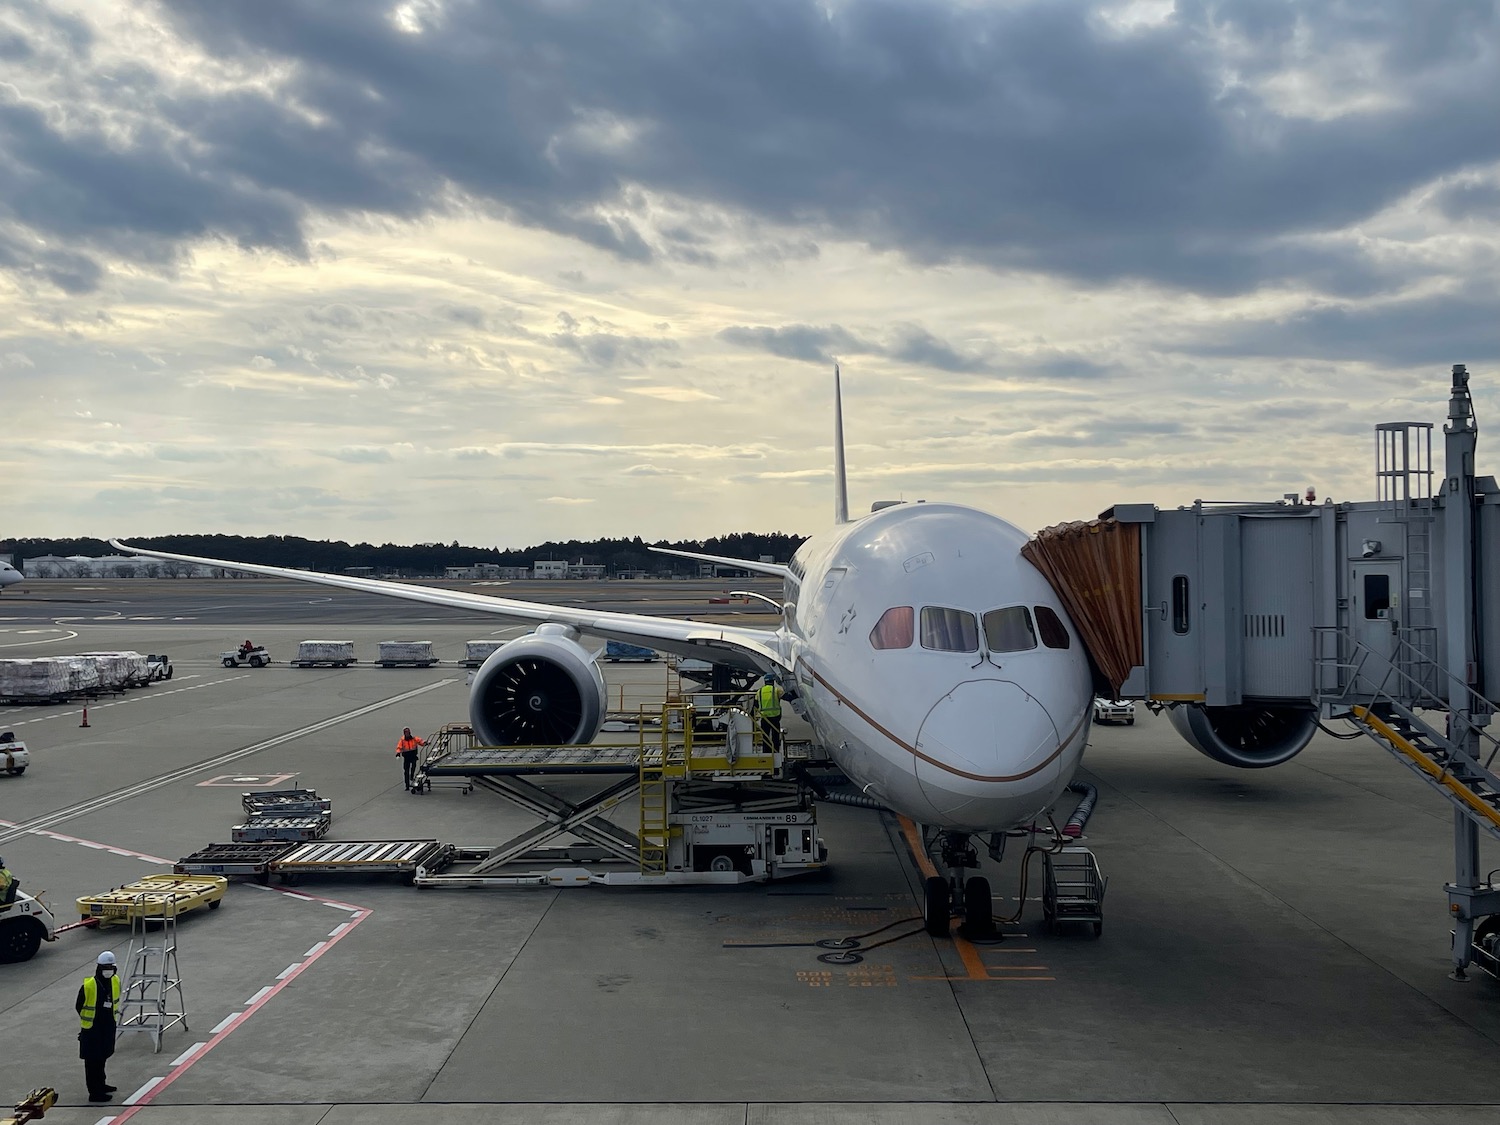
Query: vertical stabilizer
840	483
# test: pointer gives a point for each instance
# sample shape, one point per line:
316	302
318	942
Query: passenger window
894	629
1377	596
949	630
1180	618
1009	629
1049	625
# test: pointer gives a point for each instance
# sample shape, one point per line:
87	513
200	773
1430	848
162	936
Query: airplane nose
982	736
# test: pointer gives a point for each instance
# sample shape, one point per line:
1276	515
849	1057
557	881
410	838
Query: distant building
548	568
589	571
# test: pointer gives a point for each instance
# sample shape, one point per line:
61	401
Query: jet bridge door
1374	620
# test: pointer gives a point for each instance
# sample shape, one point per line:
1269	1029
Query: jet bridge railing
1343	665
1407	684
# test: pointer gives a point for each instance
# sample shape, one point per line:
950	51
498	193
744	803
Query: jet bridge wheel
935	912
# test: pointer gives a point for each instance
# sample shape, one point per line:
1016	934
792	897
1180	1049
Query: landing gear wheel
721	863
979	910
935	912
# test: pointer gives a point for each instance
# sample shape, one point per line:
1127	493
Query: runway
1275	947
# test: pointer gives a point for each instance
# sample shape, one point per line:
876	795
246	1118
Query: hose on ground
858	800
1080	817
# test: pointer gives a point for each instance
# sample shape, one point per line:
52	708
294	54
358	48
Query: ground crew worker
97	1004
407	748
9	885
247	647
769	705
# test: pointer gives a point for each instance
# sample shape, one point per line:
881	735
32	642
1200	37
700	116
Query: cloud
1198	150
672	394
566	500
799	341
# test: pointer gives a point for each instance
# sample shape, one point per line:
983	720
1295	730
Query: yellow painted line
991	979
967	952
1429	767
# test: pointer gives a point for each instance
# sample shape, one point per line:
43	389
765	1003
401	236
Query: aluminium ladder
151	1000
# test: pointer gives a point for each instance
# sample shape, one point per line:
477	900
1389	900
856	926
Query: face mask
107	972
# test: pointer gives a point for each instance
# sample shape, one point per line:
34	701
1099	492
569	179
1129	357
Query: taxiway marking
95	804
974	966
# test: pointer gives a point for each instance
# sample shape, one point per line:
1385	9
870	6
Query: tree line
617	556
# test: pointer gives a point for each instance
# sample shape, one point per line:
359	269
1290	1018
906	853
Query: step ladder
151	1000
659	767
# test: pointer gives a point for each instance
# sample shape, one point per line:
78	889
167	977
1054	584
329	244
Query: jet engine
1251	736
537	690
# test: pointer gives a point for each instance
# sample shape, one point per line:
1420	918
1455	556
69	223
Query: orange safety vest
409	744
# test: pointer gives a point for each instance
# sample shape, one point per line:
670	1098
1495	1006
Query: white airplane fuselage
956	729
9	575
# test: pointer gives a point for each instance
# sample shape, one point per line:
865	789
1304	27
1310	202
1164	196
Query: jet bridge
1254	622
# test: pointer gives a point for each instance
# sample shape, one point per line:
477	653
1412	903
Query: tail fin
840	481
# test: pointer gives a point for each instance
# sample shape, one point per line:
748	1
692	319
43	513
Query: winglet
840	481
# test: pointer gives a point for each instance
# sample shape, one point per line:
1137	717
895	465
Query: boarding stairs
1395	699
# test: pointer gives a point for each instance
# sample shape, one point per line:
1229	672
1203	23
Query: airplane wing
740	646
776	569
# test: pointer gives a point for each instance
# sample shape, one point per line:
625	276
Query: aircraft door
1375	620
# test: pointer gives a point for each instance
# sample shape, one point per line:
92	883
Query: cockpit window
1009	629
894	629
1049	625
949	630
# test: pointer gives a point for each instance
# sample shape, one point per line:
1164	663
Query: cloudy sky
500	272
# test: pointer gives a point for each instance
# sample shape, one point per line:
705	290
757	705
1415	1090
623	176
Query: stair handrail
1478	704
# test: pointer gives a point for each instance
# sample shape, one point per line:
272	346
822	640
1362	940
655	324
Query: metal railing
1404	682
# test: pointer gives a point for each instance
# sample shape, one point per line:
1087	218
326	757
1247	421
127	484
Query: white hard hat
106	958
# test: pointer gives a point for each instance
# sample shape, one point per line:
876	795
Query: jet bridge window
1049	625
949	630
1180	617
1009	629
894	629
1377	596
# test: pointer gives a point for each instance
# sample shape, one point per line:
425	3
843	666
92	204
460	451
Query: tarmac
1275	949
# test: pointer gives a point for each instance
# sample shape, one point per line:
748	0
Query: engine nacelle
538	690
1251	736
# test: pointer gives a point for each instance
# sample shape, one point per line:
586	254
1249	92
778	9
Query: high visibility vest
5	878
407	744
91	998
770	701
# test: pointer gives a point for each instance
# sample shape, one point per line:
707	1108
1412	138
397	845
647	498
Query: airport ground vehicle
14	757
256	657
1114	711
24	925
158	667
615	651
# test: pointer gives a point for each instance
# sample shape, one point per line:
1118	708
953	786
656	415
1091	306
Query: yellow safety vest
770	701
5	878
91	998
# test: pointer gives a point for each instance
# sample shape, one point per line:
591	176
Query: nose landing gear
968	897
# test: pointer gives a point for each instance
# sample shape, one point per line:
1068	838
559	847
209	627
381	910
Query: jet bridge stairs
1400	700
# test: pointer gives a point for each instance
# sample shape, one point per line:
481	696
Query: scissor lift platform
712	804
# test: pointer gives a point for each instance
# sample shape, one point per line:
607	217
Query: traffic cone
85	718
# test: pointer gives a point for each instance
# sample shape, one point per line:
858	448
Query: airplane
9	575
936	665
